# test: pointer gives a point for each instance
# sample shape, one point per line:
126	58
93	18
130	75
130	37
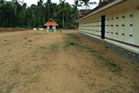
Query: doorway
51	28
103	27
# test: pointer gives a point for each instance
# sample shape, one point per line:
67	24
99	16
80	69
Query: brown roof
51	22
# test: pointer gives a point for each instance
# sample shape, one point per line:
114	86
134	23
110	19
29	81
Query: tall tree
48	8
76	5
62	3
40	6
87	3
36	15
1	2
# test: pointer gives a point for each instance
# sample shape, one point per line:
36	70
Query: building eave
102	8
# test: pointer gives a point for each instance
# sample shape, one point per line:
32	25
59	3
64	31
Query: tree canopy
17	14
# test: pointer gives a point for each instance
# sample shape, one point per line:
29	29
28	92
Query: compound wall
121	25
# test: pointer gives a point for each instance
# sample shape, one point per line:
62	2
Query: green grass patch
25	38
72	40
2	83
73	37
43	47
86	73
110	64
91	84
1	63
68	44
6	40
53	47
80	75
30	41
14	71
113	67
10	88
1	91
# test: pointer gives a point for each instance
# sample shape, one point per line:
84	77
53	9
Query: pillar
54	28
48	28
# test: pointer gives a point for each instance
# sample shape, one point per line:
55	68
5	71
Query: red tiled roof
51	22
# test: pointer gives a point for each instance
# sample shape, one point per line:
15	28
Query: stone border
127	53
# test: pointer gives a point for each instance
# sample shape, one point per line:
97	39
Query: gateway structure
116	24
51	25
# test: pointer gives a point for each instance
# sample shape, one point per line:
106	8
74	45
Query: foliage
16	14
87	3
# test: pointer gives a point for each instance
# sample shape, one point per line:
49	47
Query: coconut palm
62	3
1	2
49	3
76	5
87	3
36	15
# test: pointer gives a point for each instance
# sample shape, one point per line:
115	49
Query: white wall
122	23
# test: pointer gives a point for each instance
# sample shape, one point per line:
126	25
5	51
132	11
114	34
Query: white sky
29	2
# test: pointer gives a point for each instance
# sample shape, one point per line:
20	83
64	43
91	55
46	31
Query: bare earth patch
62	62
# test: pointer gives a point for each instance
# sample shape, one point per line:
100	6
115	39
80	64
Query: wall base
125	52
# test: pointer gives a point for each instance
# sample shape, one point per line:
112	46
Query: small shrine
51	25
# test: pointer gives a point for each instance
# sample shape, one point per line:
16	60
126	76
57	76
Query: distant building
51	25
115	23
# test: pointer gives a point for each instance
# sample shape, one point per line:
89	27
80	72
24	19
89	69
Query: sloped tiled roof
51	22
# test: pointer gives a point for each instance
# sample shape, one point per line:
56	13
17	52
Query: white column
54	28
48	28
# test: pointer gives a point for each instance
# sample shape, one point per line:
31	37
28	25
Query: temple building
114	23
51	25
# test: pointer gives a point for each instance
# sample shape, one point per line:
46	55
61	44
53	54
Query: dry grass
60	62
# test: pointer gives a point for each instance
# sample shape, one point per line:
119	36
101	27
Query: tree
76	5
62	3
40	7
1	2
36	15
87	3
48	8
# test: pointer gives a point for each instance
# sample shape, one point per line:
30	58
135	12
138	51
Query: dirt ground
13	29
62	62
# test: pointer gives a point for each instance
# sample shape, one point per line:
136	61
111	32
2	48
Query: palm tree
24	8
40	6
2	2
87	3
48	6
17	3
76	5
62	3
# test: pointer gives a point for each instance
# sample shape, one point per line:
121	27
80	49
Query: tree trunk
67	17
63	20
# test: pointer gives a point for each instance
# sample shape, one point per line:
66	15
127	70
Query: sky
29	2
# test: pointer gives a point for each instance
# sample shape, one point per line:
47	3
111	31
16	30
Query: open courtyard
62	62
